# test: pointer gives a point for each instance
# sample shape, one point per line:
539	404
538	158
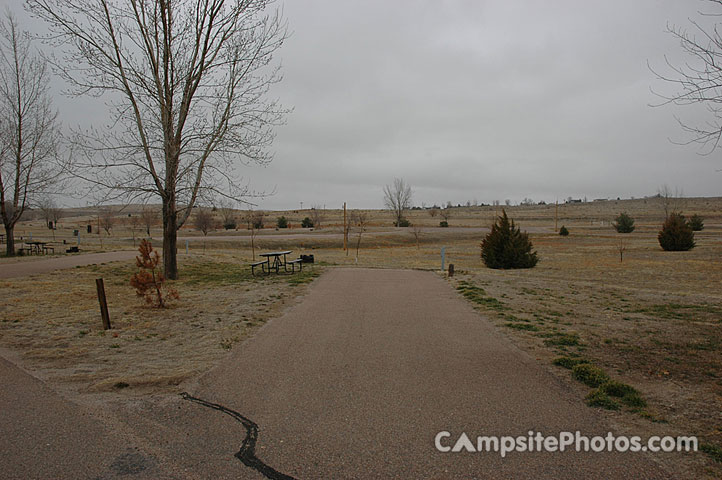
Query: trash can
306	258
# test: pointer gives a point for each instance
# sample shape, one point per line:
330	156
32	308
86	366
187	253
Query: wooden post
103	303
345	229
451	269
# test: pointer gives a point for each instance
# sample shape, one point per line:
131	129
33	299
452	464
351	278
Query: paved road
45	265
44	436
354	382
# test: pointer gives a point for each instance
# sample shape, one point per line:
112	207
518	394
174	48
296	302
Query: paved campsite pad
355	382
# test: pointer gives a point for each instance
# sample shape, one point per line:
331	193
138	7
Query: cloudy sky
476	100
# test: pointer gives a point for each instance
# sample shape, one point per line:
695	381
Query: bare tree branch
698	80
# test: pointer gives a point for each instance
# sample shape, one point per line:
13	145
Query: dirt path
354	382
22	269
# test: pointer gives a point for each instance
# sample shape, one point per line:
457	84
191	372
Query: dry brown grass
53	322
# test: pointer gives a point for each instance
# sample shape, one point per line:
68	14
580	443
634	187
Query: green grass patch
626	393
561	339
590	375
597	398
478	296
679	311
569	362
651	417
522	326
214	273
303	278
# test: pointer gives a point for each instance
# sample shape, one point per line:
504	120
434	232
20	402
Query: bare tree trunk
170	239
9	235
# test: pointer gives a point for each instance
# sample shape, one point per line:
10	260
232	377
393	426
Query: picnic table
274	261
38	247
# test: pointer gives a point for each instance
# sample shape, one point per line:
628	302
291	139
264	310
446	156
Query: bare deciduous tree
671	201
56	213
254	221
317	216
46	206
29	130
416	231
187	80
51	213
134	223
397	198
203	220
446	214
149	218
228	214
699	79
361	221
106	220
433	211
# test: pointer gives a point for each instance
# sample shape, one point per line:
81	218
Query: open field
652	321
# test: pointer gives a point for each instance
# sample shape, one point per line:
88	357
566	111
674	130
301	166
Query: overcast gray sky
486	100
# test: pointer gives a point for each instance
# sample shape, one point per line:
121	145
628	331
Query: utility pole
556	215
345	230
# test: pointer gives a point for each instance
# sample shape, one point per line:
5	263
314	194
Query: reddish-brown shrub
149	280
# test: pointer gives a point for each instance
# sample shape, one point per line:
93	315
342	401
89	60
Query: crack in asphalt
247	452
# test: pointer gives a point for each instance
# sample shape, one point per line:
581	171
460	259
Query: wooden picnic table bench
37	246
293	264
256	264
274	261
